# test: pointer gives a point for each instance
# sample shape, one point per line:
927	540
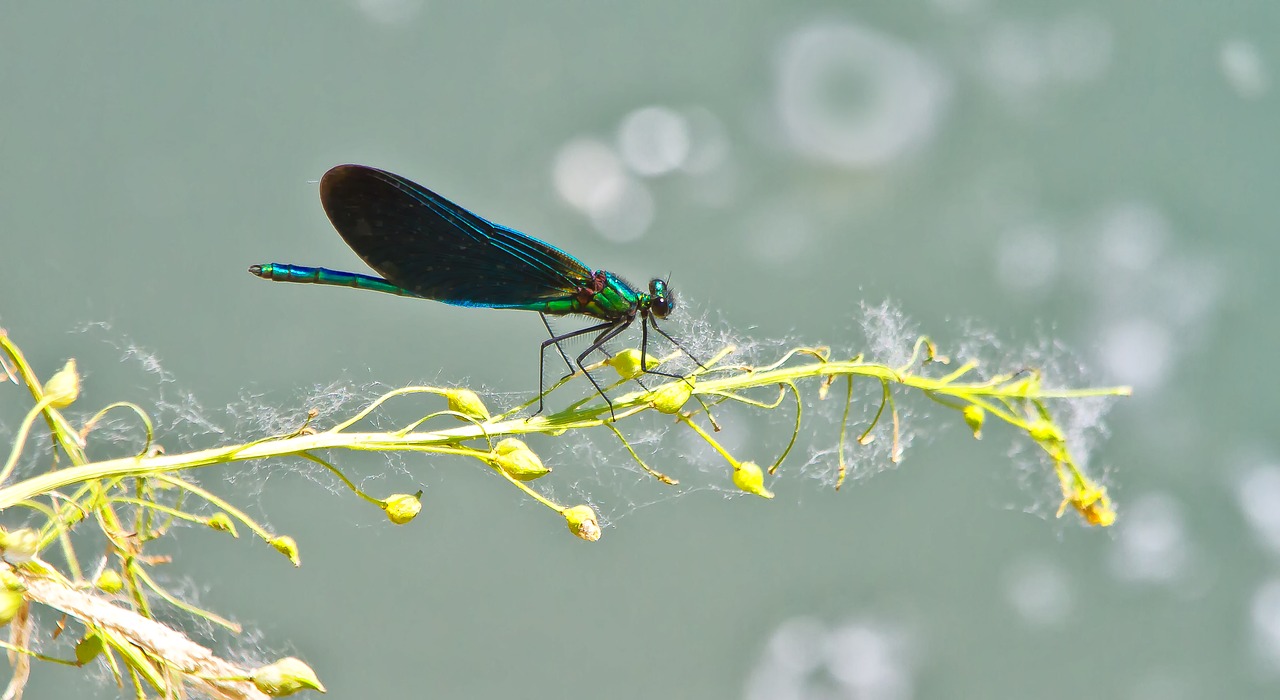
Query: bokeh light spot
1242	65
850	96
654	141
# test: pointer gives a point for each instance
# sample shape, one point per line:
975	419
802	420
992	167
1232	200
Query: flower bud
517	460
1093	504
627	363
9	581
670	398
749	477
582	522
468	403
285	677
109	581
1044	431
1098	513
87	649
288	547
974	415
63	387
19	546
10	604
403	507
222	523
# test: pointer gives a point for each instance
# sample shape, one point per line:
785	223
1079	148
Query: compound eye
661	306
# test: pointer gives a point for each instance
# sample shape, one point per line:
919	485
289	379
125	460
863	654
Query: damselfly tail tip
255	270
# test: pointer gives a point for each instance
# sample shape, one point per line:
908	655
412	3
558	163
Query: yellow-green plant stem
14	649
984	393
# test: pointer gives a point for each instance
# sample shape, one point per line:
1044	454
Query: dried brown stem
198	666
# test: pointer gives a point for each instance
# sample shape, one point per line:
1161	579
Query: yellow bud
627	363
749	477
974	415
64	386
468	403
517	460
1093	504
10	604
222	523
88	648
582	522
670	398
109	581
288	547
403	507
20	545
1044	431
285	677
1099	514
10	581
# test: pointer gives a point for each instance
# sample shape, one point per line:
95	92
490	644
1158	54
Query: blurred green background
1100	174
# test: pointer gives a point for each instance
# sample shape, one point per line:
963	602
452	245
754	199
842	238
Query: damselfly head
660	299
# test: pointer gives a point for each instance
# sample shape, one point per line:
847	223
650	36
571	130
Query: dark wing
422	242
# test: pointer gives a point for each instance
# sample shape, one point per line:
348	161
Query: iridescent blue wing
426	244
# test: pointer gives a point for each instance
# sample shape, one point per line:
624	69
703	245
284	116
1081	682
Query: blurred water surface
1094	175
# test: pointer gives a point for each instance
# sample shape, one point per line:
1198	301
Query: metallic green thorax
607	298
